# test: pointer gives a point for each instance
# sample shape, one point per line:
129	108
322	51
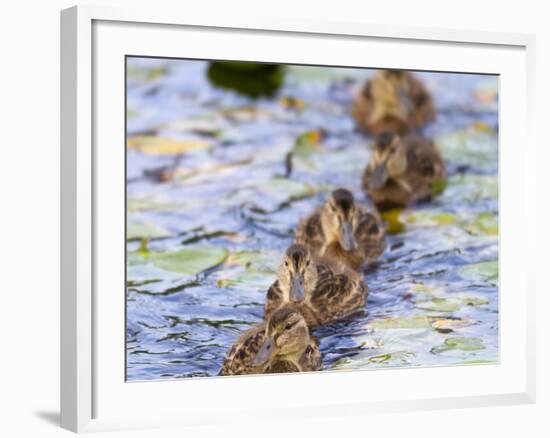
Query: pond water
211	208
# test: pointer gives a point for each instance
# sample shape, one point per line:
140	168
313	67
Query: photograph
286	218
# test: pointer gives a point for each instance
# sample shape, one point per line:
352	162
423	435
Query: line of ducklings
319	280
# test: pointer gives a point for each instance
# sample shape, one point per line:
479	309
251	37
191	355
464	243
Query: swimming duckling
395	101
402	171
322	291
348	233
281	345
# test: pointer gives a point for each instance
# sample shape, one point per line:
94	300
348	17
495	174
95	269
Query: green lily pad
471	147
412	322
440	305
252	279
190	260
145	230
393	223
485	223
470	188
463	344
264	260
146	74
430	218
480	271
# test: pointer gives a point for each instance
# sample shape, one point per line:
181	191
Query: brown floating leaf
165	146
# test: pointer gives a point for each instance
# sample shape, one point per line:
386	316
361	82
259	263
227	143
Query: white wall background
29	214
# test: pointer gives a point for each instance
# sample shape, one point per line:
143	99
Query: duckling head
297	274
338	219
389	159
286	337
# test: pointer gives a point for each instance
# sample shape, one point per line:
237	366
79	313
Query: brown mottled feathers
424	167
238	360
338	293
369	233
404	108
275	299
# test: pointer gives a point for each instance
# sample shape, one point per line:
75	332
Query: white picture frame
91	390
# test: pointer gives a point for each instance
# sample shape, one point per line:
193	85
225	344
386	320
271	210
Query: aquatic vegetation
212	204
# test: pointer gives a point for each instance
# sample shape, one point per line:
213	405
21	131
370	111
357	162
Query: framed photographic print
250	208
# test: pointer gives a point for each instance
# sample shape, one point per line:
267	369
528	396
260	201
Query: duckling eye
286	264
307	263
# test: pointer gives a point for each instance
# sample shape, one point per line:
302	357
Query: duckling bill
350	234
322	291
403	171
283	344
393	100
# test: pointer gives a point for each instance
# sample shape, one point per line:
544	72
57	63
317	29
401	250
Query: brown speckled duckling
321	290
281	345
402	171
395	101
344	231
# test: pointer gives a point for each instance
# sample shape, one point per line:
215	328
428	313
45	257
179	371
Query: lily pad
250	278
470	188
264	260
480	271
190	260
457	343
440	305
151	144
450	323
470	147
393	223
412	322
429	218
485	223
145	230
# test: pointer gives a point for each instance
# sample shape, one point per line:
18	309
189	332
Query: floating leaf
413	322
426	289
439	305
486	92
250	278
134	205
401	356
145	74
451	324
263	260
393	223
144	230
190	260
475	301
470	147
291	102
485	223
250	79
478	271
470	188
463	344
430	218
151	144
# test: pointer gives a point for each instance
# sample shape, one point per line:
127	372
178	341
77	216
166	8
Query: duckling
281	345
393	100
322	291
349	233
403	171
